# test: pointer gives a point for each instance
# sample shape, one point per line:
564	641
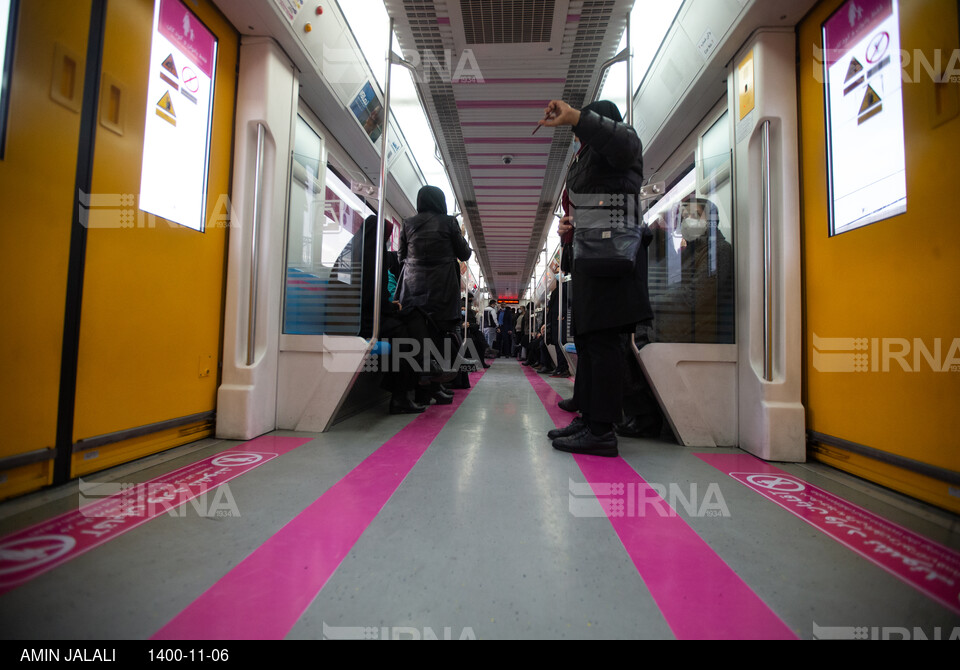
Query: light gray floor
478	541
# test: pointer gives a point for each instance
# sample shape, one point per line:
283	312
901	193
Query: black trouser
598	387
639	402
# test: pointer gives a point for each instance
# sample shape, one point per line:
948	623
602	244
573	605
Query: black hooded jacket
609	165
430	247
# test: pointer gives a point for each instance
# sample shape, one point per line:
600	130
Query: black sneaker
572	429
589	444
637	428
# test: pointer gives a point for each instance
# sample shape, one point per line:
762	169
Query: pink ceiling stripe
501	104
526	80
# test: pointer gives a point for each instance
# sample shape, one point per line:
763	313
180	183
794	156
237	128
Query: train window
324	236
8	23
713	154
866	158
176	139
691	268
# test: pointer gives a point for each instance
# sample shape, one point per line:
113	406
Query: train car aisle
464	523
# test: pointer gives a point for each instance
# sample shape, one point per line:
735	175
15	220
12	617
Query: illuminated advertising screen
368	109
866	159
176	143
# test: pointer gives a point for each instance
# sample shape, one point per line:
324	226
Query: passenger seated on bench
696	304
396	323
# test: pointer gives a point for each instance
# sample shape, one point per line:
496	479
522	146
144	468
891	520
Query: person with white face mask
697	306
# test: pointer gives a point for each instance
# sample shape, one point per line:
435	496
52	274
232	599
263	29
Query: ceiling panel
526	52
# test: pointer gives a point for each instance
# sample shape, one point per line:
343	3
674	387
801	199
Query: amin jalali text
69	655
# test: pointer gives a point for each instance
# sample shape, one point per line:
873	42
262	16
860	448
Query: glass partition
691	262
324	227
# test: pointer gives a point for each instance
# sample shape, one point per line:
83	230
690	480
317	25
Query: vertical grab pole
629	73
378	271
255	249
767	205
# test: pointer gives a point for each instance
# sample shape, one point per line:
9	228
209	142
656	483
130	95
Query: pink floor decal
112	509
927	566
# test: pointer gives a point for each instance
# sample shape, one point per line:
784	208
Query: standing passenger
609	165
431	245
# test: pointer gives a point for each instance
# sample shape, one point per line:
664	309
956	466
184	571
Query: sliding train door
880	124
113	310
158	216
44	76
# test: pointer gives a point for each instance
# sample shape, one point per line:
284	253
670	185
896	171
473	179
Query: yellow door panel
37	176
890	288
153	290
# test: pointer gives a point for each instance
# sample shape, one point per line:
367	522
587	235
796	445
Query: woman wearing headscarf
431	247
430	251
607	172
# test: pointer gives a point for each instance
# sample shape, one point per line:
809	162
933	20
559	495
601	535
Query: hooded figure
431	247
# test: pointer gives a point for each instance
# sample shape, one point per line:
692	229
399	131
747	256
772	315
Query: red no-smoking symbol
190	80
878	46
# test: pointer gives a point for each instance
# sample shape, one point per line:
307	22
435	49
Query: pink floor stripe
264	596
108	510
927	566
699	595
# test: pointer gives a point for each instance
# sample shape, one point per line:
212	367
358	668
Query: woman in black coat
431	247
606	175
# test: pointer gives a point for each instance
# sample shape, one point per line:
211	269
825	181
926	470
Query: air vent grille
507	21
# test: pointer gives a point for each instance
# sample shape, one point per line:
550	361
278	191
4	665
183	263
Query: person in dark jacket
608	173
430	251
431	245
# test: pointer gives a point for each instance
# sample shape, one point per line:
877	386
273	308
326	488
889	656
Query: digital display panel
368	109
866	158
176	143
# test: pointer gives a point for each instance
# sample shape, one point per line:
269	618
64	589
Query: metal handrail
392	59
767	205
255	248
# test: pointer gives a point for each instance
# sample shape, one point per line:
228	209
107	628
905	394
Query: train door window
176	141
8	24
691	264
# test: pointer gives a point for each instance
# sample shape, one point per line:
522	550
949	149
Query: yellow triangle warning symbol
854	69
170	66
166	104
870	100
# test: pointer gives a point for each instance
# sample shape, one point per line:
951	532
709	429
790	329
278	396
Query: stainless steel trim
139	431
949	476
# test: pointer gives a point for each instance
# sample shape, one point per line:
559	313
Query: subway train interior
199	373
